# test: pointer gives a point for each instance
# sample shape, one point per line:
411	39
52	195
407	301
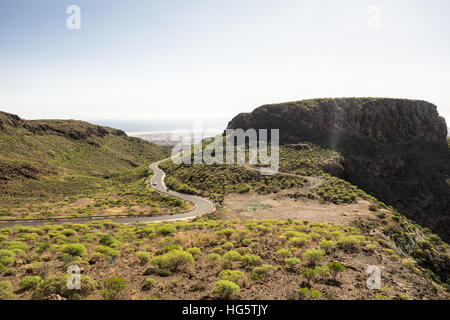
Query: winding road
201	207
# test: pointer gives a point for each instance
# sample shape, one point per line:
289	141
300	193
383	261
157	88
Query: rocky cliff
395	149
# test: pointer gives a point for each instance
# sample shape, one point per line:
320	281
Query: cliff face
385	120
395	149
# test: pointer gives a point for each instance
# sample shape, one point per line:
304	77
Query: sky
169	63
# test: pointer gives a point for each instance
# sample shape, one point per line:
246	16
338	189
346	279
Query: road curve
201	206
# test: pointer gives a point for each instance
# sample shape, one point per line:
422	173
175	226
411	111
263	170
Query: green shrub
195	252
313	256
172	260
231	275
39	268
226	232
299	240
261	272
74	249
335	267
327	245
251	260
292	262
309	274
107	251
148	283
7	257
213	257
68	232
17	245
309	294
225	289
166	230
7	291
111	287
227	246
58	285
30	282
232	256
284	253
143	257
106	240
171	247
350	243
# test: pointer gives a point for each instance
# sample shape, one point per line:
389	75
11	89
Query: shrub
195	252
112	287
107	251
227	246
7	257
213	257
17	245
327	245
30	282
143	257
284	253
298	241
231	275
74	249
313	256
335	267
106	240
148	283
292	262
410	264
58	285
251	260
373	207
172	260
171	247
39	268
260	272
232	256
226	232
309	274
226	289
68	232
6	291
166	230
309	294
350	243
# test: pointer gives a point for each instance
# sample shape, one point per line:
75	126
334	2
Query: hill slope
67	167
394	149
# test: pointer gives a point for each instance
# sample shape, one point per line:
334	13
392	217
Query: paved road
201	206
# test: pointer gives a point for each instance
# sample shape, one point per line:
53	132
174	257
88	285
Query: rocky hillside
45	161
395	149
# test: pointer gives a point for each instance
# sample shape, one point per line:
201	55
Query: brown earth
284	205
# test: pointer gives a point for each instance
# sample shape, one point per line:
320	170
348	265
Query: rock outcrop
385	120
395	149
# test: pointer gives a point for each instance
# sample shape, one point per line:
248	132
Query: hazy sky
202	59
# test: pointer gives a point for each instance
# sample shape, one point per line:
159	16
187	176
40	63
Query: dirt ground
284	205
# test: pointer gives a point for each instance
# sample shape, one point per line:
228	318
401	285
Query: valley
199	231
